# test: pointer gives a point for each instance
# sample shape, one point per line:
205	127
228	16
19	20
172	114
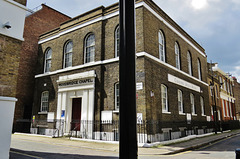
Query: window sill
164	112
116	111
203	115
42	112
194	114
180	113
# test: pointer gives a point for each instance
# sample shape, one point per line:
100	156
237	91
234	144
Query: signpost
127	72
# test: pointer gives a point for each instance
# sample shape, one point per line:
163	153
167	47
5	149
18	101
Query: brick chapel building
78	74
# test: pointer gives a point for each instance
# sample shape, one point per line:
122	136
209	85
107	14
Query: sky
214	24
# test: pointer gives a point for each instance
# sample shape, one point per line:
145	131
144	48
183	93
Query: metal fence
148	131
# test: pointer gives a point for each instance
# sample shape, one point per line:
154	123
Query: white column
90	112
59	106
84	114
64	101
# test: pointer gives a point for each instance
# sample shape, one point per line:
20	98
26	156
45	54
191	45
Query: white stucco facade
14	13
7	106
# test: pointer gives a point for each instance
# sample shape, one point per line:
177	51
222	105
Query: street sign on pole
127	73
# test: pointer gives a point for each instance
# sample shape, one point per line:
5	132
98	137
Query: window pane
68	54
44	101
117	40
164	98
161	46
117	96
90	48
177	56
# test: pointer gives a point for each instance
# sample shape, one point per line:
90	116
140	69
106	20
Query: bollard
237	151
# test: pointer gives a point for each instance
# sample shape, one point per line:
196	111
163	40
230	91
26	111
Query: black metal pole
127	72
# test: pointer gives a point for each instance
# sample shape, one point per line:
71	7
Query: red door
76	114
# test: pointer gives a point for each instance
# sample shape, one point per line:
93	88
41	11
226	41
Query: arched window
177	56
44	101
202	105
89	48
117	41
189	60
199	70
192	104
48	60
164	97
161	44
68	51
117	100
180	102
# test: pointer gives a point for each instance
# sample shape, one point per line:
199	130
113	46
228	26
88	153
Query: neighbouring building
226	94
236	92
76	85
37	22
214	93
12	16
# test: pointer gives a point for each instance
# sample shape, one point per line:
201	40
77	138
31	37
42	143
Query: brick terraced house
36	23
77	90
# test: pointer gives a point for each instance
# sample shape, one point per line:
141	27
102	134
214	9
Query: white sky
214	24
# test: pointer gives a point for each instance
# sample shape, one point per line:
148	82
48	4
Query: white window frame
202	106
69	54
189	60
192	102
48	60
161	46
164	98
44	101
91	57
199	69
180	102
117	41
117	100
177	56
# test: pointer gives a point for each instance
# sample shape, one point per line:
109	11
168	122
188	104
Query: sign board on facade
106	117
139	86
63	114
183	83
139	118
208	118
189	118
76	82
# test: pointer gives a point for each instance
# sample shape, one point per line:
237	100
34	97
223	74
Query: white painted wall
13	12
7	106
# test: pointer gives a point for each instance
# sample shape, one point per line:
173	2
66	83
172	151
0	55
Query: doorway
76	114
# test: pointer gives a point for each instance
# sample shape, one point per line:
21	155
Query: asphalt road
24	149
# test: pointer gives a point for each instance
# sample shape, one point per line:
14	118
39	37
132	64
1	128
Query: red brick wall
36	24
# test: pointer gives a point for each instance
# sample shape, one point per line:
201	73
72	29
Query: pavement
159	148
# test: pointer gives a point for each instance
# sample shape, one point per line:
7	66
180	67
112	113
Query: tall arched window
192	104
48	60
117	41
180	102
161	42
189	60
68	51
199	70
177	56
89	48
164	98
